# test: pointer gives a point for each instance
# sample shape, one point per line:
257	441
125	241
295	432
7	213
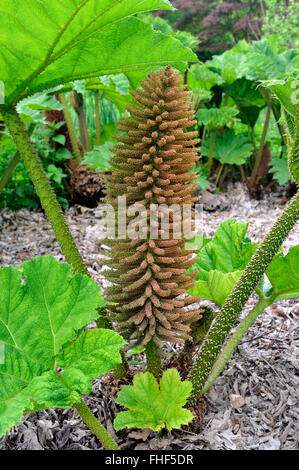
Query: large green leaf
41	328
283	274
94	353
249	115
230	66
200	76
186	38
256	61
264	64
30	109
245	93
199	96
152	405
50	42
248	99
229	148
224	258
286	91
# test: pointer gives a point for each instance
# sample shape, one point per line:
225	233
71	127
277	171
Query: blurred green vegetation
240	124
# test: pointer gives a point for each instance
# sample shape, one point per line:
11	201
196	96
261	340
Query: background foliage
238	43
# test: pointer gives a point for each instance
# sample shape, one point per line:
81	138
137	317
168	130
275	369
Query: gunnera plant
152	167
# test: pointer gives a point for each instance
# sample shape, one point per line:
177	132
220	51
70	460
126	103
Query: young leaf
56	173
202	181
153	406
44	44
39	324
202	173
63	154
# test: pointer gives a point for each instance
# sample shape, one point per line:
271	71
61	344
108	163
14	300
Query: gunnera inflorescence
152	168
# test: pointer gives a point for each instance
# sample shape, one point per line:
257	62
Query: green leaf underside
222	261
152	405
217	287
39	321
283	275
227	251
44	44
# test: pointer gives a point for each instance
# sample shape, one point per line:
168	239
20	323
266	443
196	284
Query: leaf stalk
233	342
95	426
241	292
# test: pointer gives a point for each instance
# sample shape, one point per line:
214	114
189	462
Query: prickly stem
234	303
43	189
71	129
95	426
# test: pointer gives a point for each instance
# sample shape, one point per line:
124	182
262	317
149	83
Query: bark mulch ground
252	405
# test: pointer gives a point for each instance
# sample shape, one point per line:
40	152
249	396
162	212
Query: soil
252	405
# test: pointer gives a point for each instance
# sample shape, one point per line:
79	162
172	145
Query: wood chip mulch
254	403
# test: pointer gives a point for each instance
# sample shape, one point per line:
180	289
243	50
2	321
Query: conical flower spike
151	168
